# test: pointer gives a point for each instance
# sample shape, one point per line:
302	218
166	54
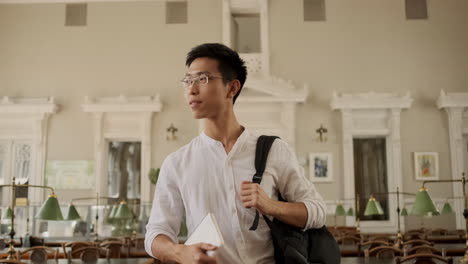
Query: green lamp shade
7	214
447	209
340	210
50	210
123	211
373	207
350	212
404	212
72	213
423	204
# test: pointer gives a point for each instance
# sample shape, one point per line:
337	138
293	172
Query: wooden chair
349	240
38	254
73	245
417	242
88	254
415	234
113	248
370	245
3	244
381	238
381	252
425	249
135	244
11	261
437	232
423	258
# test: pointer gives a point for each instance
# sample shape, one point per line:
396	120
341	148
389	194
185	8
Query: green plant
153	175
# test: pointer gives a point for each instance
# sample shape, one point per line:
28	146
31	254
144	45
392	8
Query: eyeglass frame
197	79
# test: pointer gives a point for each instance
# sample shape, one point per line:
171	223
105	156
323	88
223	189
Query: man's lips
195	103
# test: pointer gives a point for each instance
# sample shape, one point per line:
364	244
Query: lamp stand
399	238
465	214
11	250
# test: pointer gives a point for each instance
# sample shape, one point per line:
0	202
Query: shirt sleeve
295	187
167	209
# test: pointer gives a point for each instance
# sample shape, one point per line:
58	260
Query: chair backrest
39	254
380	238
370	245
113	248
86	254
414	235
73	245
381	252
11	261
349	240
417	242
423	258
425	249
437	232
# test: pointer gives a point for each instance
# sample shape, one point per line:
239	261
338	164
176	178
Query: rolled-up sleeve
295	187
167	209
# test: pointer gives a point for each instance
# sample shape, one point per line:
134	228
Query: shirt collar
211	141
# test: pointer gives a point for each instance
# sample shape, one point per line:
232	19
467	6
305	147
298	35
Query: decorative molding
450	100
122	118
28	105
372	114
456	107
371	100
75	1
123	103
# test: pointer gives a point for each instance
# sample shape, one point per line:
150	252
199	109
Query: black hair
231	66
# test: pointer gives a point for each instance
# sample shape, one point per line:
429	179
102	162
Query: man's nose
193	88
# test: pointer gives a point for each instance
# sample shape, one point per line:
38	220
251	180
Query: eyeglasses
200	80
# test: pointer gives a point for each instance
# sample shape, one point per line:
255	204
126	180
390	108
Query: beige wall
128	49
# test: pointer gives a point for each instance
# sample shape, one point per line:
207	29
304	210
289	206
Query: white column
396	170
99	150
145	157
288	123
264	38
455	120
348	159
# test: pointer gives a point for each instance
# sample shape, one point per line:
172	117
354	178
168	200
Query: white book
207	232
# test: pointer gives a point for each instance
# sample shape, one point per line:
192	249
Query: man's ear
234	87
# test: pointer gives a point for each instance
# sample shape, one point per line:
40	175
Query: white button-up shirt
200	178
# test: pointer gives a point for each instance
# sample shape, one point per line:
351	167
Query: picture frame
426	166
321	167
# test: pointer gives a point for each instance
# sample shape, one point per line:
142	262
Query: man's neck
226	131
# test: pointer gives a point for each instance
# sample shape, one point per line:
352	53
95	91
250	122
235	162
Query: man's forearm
165	249
290	213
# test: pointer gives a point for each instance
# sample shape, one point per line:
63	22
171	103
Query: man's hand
252	195
196	254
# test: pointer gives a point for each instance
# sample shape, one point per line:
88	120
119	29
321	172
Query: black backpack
291	244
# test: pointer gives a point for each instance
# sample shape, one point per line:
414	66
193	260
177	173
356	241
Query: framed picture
426	166
321	167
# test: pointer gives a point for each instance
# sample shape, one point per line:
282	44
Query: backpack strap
261	154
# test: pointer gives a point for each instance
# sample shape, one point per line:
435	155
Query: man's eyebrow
197	73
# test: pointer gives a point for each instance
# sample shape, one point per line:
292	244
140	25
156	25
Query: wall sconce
321	131
171	130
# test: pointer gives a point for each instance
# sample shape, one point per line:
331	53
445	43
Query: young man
213	173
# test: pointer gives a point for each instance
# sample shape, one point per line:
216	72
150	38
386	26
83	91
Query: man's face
209	100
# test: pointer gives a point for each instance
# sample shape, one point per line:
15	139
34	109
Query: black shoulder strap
261	154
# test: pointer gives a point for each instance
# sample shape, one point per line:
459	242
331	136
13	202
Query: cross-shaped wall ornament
321	131
171	130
